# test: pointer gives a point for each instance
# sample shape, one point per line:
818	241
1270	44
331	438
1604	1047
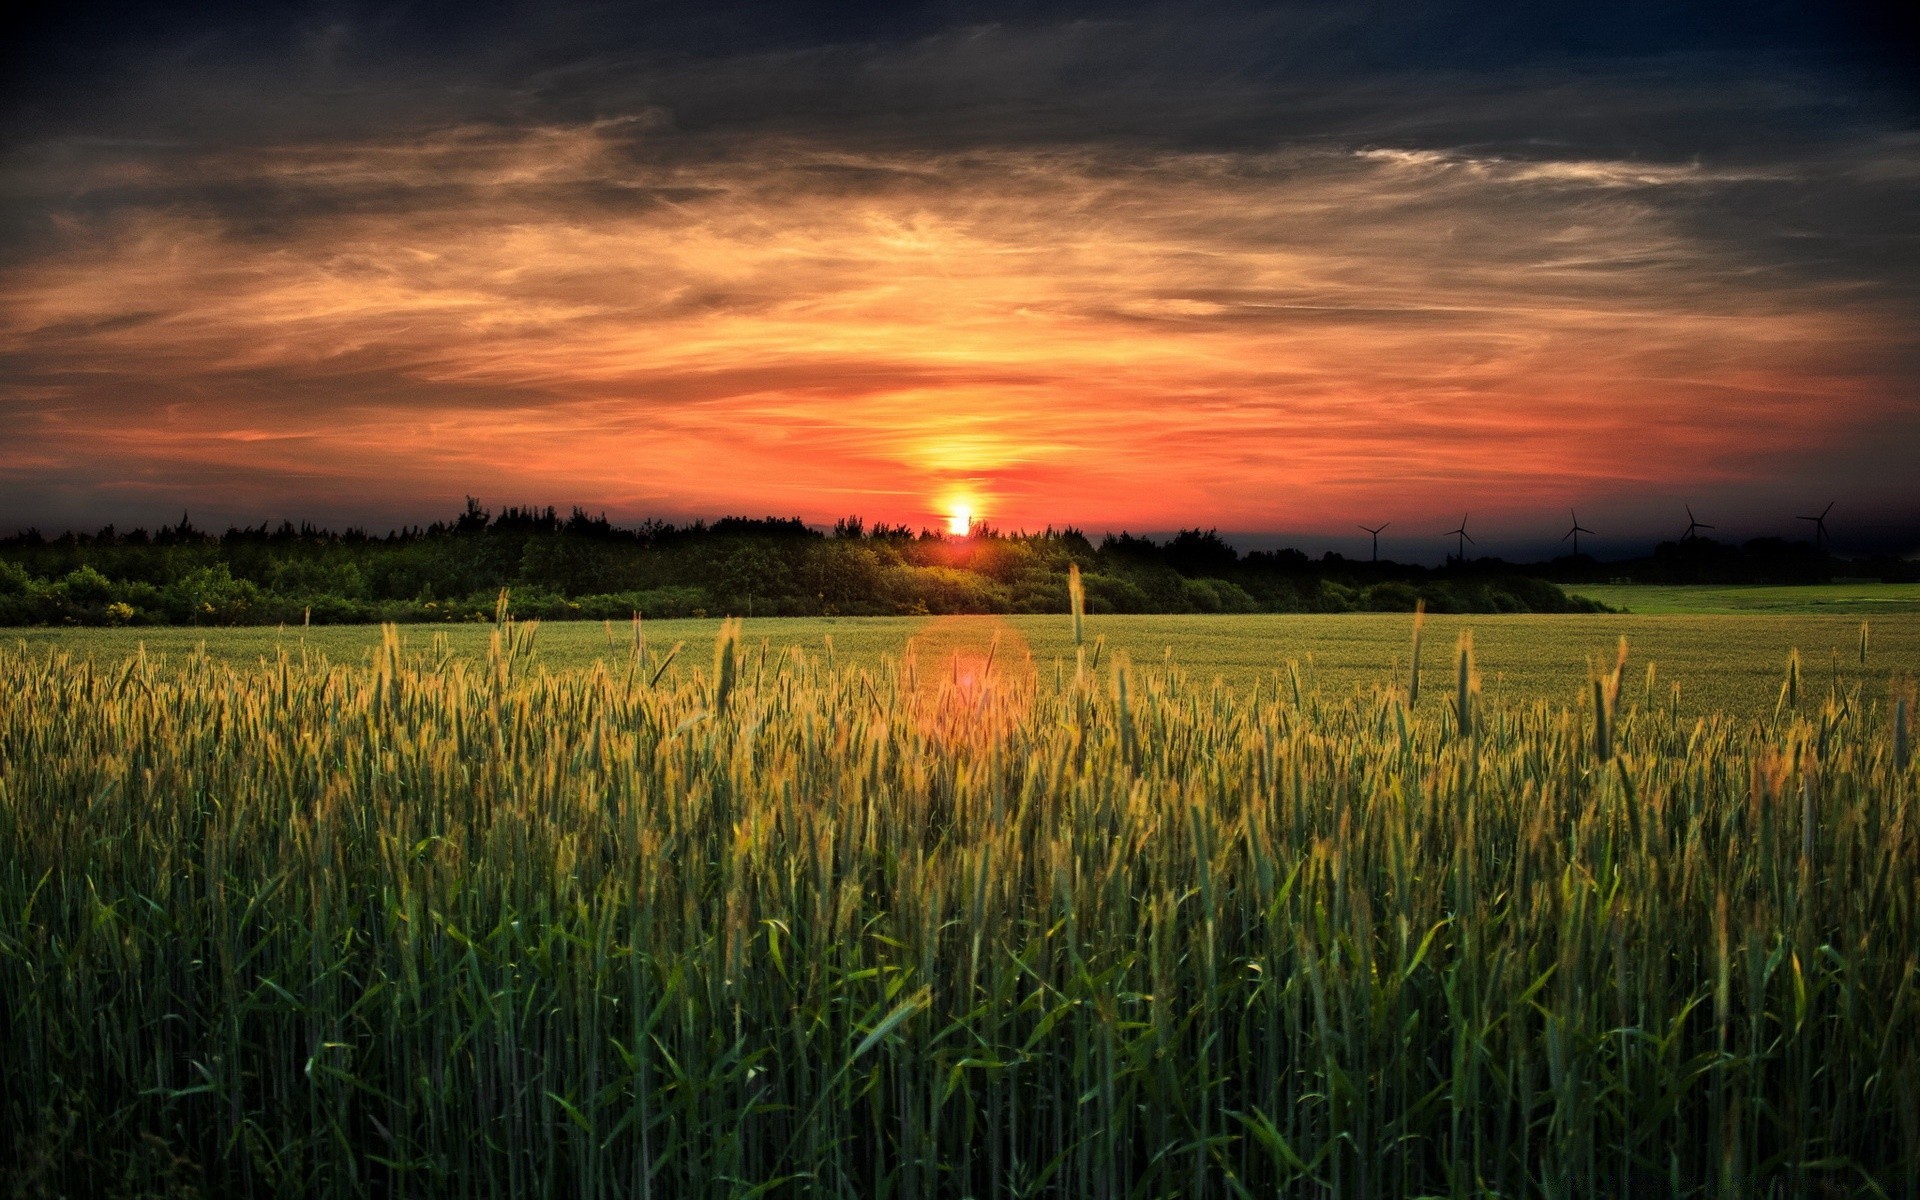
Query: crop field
1854	599
506	911
1722	664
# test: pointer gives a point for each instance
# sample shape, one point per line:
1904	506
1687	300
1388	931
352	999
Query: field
1852	599
506	911
1722	664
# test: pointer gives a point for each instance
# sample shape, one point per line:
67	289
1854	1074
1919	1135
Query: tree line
586	567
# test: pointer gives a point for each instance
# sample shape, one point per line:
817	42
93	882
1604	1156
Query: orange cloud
1255	340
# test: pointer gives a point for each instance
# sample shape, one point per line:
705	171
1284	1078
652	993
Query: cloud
1098	271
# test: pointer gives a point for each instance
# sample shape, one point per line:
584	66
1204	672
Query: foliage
1762	561
586	567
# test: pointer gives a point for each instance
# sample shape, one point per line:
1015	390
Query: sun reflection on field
968	679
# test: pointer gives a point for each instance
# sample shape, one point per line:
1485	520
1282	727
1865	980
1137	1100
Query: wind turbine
1464	537
1573	533
1375	531
1819	527
1692	525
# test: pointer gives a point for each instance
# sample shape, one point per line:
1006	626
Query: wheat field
964	924
1729	665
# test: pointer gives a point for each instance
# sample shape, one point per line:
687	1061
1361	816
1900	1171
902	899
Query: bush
337	610
942	590
211	596
1390	597
13	579
1038	590
1112	594
88	587
1334	596
1217	596
305	577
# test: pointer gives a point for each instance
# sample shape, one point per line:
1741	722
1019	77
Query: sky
1278	269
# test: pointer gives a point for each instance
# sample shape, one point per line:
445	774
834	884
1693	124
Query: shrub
86	586
1112	594
1217	596
211	596
1390	597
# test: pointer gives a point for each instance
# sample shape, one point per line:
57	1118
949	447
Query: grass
1728	665
457	924
1852	599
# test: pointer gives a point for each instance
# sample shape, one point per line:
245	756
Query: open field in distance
1861	599
1721	662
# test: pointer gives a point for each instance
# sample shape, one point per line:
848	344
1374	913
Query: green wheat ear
1464	684
1900	735
1122	705
1413	674
726	662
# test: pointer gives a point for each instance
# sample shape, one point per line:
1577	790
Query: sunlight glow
960	522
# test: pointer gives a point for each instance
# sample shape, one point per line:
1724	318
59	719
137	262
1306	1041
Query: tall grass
1076	601
441	928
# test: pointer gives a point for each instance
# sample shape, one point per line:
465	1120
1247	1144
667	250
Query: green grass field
1850	599
1721	662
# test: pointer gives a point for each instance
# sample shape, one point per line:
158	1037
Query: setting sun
961	521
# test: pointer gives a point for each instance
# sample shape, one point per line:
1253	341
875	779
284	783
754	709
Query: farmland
1726	664
509	911
1859	599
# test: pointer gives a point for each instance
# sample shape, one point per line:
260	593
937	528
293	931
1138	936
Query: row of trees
1760	560
586	567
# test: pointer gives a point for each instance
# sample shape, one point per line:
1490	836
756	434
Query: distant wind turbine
1819	527
1462	534
1575	533
1692	526
1375	531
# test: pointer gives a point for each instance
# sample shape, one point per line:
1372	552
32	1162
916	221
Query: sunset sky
1278	269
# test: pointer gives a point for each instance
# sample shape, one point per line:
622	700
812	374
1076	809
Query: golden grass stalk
1076	600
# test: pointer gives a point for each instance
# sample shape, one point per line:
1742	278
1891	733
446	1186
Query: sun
960	522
